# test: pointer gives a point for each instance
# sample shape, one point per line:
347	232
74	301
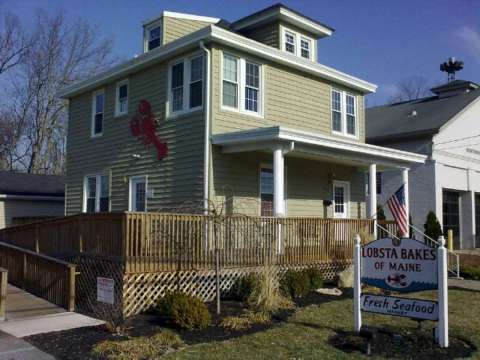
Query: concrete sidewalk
12	348
465	284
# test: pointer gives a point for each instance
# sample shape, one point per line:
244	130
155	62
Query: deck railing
166	242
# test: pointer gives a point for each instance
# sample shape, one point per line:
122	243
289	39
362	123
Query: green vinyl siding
292	99
174	28
175	180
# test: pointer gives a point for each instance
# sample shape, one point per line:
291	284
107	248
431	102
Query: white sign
105	290
390	305
409	265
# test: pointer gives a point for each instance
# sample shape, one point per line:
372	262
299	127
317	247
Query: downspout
206	153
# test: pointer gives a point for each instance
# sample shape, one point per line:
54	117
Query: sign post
402	265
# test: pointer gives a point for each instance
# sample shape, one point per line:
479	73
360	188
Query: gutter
206	152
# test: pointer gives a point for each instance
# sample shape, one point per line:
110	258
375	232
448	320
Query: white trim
298	43
135	179
343	113
94	108
260	136
225	37
98	191
32	197
146	34
117	100
241	85
288	16
346	198
187	62
178	15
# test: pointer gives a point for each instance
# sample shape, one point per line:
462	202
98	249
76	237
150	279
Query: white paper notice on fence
105	290
390	305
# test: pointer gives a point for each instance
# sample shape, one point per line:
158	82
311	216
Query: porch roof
309	144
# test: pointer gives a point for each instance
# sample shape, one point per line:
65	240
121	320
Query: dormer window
297	44
153	36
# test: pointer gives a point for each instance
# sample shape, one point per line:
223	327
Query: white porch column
278	182
373	196
407	197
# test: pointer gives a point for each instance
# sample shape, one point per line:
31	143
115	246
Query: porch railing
166	242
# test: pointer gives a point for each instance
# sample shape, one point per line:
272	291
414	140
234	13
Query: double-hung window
97	194
241	85
121	102
305	48
186	85
153	37
290	42
344	113
98	105
297	43
266	192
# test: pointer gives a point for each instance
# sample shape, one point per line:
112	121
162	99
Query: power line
458	146
456	140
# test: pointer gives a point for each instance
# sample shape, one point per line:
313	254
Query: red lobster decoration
143	127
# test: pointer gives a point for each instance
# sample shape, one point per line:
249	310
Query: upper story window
241	85
98	105
186	85
121	102
344	113
153	37
96	194
297	44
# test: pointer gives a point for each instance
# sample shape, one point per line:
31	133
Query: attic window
297	44
153	37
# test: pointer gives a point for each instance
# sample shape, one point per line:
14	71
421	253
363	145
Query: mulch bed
76	344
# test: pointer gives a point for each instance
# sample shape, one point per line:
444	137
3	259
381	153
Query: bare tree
411	88
13	43
60	54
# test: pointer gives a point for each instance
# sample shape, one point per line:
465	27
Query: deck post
3	292
71	288
373	197
278	192
407	202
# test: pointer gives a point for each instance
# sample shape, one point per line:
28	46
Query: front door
341	199
451	215
138	192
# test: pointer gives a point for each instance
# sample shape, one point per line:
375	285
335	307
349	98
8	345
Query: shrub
266	297
470	272
380	213
316	278
144	347
245	321
295	283
243	287
432	227
184	311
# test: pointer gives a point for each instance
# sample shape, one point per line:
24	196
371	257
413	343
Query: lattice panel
142	290
89	268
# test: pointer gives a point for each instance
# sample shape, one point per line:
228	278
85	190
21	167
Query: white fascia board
288	135
225	37
243	43
32	197
178	15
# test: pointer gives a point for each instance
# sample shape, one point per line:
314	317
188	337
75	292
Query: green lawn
306	335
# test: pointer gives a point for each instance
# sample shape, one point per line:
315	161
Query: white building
446	128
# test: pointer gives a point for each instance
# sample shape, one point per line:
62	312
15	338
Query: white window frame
186	86
98	191
298	43
285	186
94	109
241	86
343	97
309	42
146	35
117	98
134	180
346	202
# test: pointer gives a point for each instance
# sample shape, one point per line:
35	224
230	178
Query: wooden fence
387	228
44	276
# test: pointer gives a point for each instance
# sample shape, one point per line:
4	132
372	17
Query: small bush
432	227
316	278
243	287
245	321
144	347
470	272
295	283
184	311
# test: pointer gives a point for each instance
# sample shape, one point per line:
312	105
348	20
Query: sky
380	41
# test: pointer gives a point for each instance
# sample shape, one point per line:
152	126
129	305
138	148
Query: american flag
398	208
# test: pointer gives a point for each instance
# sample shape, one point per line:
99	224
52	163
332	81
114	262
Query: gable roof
13	183
421	117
